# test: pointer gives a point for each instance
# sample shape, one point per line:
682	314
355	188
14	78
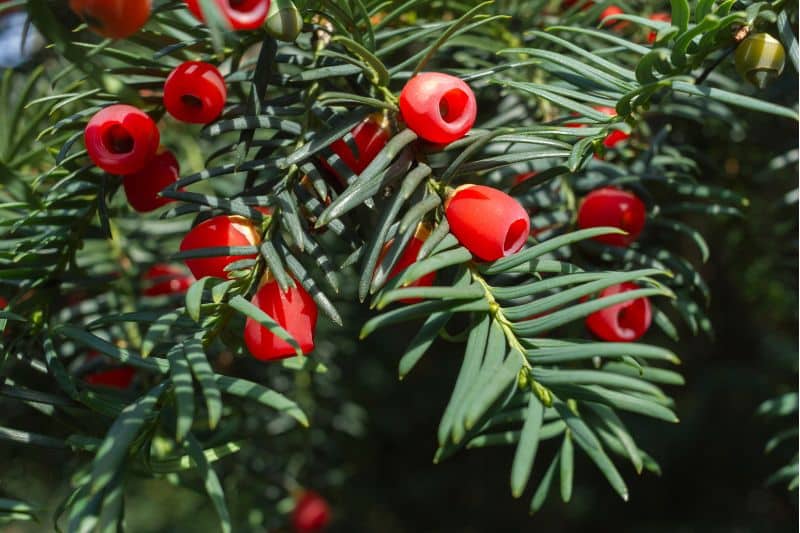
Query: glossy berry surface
311	514
622	322
220	231
438	107
488	222
162	279
121	139
369	137
195	92
240	14
115	19
142	187
613	207
406	259
658	17
294	310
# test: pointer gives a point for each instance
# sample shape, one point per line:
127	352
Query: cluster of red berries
438	107
612	207
488	222
124	140
118	19
441	109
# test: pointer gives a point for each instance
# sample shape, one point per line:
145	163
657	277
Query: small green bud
760	58
284	21
522	378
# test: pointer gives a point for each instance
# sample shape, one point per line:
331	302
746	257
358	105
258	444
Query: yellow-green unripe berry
760	59
284	21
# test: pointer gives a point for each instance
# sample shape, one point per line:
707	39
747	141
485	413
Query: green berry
760	59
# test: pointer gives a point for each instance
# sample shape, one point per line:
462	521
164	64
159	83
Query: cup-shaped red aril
162	279
616	208
370	137
294	310
121	139
406	259
240	14
438	107
195	92
143	188
622	322
115	19
487	222
658	17
311	514
220	231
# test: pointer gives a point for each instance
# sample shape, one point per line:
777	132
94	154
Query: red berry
312	514
294	310
115	19
370	136
623	322
240	14
121	139
223	230
406	259
195	92
613	24
488	222
142	188
164	279
3	303
613	207
660	17
118	377
438	107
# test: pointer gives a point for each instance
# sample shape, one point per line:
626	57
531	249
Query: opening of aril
117	139
630	316
515	235
452	104
192	101
243	5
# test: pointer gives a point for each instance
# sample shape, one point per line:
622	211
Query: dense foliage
132	382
